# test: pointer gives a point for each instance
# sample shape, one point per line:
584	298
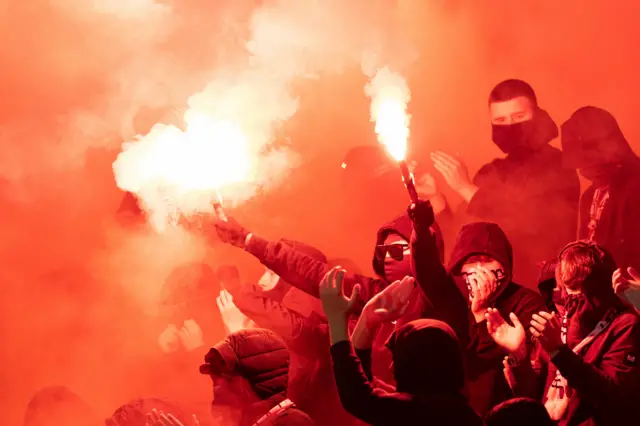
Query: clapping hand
234	320
455	173
510	338
483	286
334	302
628	289
390	304
546	328
158	418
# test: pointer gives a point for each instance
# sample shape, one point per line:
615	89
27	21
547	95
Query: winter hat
258	355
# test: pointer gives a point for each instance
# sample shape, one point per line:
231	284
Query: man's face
268	280
474	263
394	249
513	111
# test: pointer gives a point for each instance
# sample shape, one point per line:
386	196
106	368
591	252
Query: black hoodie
533	198
448	294
429	382
592	137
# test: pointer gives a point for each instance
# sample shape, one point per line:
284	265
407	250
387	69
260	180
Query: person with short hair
584	367
529	192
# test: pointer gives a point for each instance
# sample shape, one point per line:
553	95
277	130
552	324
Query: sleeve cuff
257	246
562	357
341	348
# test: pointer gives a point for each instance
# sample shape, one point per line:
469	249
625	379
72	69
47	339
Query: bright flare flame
390	95
225	150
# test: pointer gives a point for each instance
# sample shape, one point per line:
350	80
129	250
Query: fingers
195	421
515	320
339	278
173	420
445	159
355	296
633	273
617	275
221	306
493	316
538	322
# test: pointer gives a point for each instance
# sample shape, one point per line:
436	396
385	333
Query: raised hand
422	215
455	173
628	289
546	328
390	304
159	418
234	320
191	335
511	338
484	285
169	339
231	232
334	302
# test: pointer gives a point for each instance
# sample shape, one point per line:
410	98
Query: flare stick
409	183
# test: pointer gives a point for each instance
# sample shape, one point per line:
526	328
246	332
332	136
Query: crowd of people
518	308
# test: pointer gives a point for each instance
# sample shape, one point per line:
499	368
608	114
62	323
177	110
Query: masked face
513	124
268	281
395	253
469	270
600	174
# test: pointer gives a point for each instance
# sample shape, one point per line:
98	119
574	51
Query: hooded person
529	192
584	366
250	374
58	405
429	383
593	143
391	261
478	277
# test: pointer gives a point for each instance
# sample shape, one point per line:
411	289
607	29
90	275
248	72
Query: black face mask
515	138
526	136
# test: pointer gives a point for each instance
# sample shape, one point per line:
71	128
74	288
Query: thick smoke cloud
80	77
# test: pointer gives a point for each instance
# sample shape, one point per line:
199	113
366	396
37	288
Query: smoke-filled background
80	77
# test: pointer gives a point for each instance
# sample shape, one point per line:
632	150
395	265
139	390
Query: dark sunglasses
396	251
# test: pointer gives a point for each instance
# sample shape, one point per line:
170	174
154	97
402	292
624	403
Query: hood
418	366
260	356
591	137
482	238
402	226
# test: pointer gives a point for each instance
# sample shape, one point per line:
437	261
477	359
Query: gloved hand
231	232
421	213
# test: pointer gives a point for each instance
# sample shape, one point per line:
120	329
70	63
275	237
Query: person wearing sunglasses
391	261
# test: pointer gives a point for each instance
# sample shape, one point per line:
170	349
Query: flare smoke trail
227	146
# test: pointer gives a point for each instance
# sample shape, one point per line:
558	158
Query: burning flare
390	95
223	151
